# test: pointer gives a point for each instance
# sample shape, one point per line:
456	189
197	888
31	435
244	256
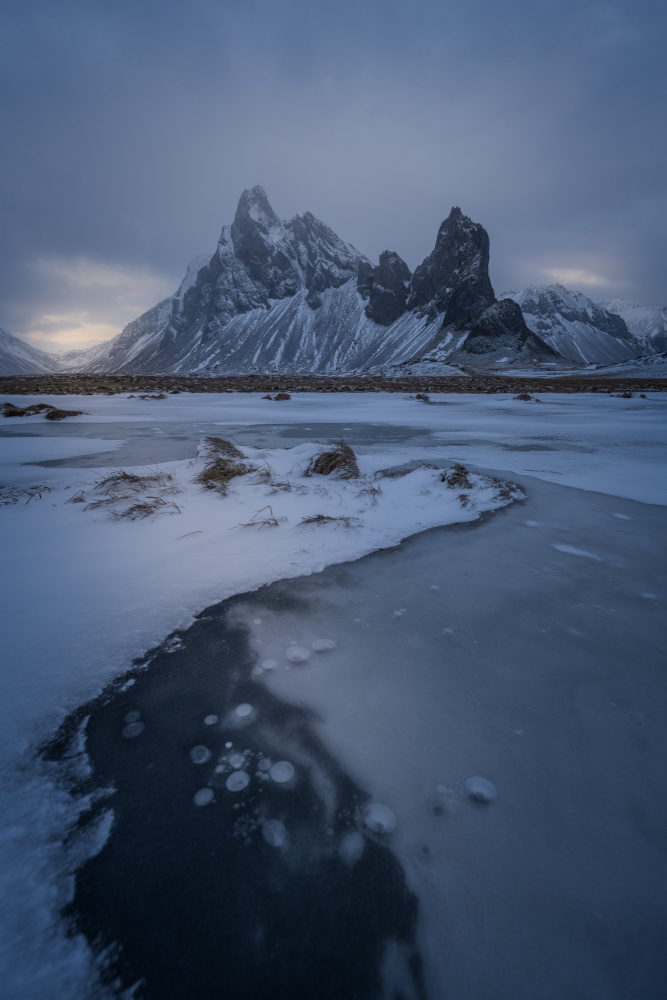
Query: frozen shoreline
614	445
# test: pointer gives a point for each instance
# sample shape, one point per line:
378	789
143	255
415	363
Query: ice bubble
256	671
282	772
434	586
322	645
264	764
237	760
274	833
237	781
623	517
132	717
200	754
269	664
401	611
351	848
297	654
203	797
378	818
220	768
481	790
228	746
650	597
257	621
571	550
134	729
533	524
210	720
243	711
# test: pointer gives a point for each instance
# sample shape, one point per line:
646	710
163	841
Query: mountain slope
648	324
575	326
19	358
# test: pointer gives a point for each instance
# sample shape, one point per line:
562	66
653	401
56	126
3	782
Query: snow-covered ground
84	593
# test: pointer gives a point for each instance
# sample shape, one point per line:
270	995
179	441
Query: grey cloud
131	129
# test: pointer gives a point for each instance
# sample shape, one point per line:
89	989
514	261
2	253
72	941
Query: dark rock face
389	290
454	278
260	259
502	327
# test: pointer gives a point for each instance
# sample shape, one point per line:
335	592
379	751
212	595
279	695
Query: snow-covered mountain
648	324
19	358
292	296
575	326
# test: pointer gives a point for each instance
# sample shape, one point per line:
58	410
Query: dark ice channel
527	648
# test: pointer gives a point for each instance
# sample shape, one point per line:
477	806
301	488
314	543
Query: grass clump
345	520
130	496
339	460
10	495
457	478
50	412
218	474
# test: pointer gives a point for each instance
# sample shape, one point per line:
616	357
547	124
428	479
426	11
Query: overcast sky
130	127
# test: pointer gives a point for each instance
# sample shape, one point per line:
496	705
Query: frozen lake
526	647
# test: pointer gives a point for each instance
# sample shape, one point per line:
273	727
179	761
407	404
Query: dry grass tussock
9	495
345	520
264	518
129	496
457	478
339	461
224	462
49	411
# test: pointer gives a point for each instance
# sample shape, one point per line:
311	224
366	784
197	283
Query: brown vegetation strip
156	385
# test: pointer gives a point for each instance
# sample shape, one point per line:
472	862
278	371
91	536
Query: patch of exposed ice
203	797
282	772
237	781
134	729
297	654
570	550
378	818
274	833
481	789
323	645
351	848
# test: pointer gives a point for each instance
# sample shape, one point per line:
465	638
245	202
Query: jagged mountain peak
254	205
453	281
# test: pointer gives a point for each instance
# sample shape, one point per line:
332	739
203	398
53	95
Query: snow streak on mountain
575	326
19	358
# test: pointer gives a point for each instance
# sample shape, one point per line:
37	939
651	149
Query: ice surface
572	550
104	592
481	789
378	818
323	645
297	654
237	781
351	848
282	772
203	797
133	729
274	833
